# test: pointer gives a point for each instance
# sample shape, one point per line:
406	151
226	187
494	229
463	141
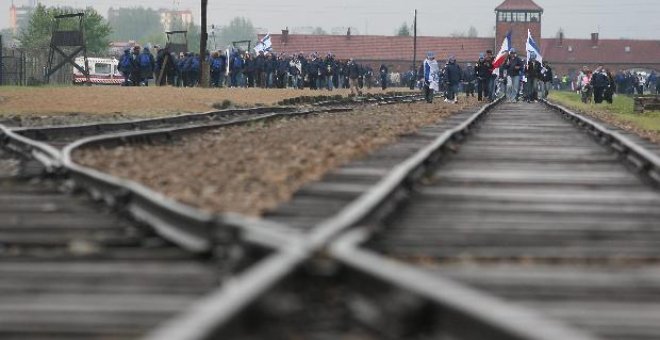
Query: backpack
194	64
238	63
145	60
125	63
216	64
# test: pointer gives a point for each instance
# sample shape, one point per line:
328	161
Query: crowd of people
517	79
242	69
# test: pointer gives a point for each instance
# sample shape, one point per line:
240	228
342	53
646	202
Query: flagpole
414	64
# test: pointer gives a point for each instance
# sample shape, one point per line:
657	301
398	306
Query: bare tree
403	30
319	31
472	32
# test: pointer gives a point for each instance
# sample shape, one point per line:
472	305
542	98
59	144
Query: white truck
102	71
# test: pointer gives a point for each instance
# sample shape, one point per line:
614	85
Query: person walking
147	66
483	72
217	68
235	70
532	73
431	77
513	67
599	82
353	77
469	79
136	75
383	76
125	66
547	78
453	76
586	89
259	70
611	87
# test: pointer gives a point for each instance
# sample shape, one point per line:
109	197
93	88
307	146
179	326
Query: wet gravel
251	169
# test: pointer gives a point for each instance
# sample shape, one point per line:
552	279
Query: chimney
285	35
594	39
561	39
348	33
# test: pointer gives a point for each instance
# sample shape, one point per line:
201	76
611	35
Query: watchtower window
534	17
504	16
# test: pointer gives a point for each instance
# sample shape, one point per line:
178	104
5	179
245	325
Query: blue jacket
195	65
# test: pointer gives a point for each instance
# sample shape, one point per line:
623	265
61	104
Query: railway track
74	268
526	228
60	136
534	211
479	227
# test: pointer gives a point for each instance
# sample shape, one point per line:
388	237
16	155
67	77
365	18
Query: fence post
1	61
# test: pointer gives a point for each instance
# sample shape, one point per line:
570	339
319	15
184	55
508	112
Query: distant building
19	17
168	18
566	55
117	48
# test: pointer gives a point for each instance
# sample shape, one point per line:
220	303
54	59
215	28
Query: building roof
519	5
375	47
606	51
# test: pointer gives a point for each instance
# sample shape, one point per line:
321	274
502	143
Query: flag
264	44
503	53
531	46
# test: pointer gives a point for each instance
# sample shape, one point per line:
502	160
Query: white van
101	71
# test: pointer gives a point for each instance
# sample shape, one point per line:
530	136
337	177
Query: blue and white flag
264	44
531	46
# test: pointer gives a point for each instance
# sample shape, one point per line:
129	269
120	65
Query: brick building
517	16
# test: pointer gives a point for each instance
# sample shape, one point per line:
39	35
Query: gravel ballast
29	106
251	169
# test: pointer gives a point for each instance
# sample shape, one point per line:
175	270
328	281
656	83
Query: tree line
143	25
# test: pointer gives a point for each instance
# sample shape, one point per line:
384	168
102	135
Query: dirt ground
28	106
251	169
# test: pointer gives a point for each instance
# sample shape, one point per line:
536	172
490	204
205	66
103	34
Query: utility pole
414	64
1	66
204	77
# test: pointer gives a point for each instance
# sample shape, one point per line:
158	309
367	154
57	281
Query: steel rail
322	236
475	314
181	224
184	225
43	133
47	155
470	314
645	162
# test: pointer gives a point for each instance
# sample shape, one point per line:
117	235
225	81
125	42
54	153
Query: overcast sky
612	18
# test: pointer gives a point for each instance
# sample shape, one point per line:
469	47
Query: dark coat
513	66
453	74
600	79
353	70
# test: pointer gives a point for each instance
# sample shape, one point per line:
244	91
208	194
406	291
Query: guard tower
67	38
177	41
518	16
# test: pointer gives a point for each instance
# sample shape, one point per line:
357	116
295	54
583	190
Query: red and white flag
503	53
